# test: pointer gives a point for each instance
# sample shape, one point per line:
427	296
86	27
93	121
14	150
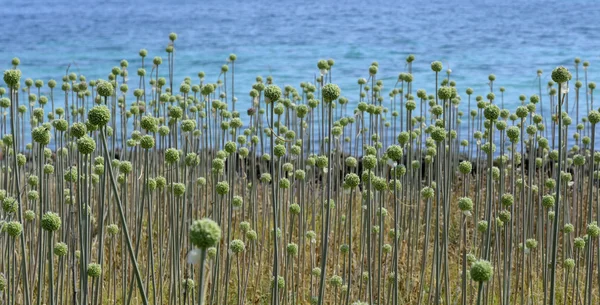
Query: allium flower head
12	77
481	271
51	222
561	75
205	233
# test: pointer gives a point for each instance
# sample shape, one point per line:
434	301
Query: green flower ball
60	249
237	246
13	228
147	142
86	145
436	66
369	162
105	88
465	167
330	92
94	270
481	271
222	188
51	222
12	77
99	115
205	233
272	93
561	75
394	152
465	204
41	135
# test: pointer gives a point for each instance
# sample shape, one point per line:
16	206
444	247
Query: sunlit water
285	39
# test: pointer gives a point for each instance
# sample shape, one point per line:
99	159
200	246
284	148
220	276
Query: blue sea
285	39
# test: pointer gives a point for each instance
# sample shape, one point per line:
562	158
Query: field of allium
153	188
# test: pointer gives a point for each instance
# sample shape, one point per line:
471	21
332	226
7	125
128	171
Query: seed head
99	115
51	222
205	233
94	270
561	75
481	271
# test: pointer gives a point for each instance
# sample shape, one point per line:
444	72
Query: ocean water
285	39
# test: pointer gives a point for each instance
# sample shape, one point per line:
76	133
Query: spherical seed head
548	201
237	246
147	142
482	226
373	70
178	189
593	230
78	130
21	159
112	229
594	117
230	147
188	125
172	155
481	271
513	133
579	243
438	134
352	180
222	188
301	111
445	93
531	243
561	75
427	192
569	263
369	161
568	228
94	270
99	115
4	102
60	124
491	112
394	152
351	162
436	66
51	222
331	92
335	281
29	215
272	93
232	57
12	78
244	226
294	209
504	215
125	167
205	233
172	36
279	150
322	64
86	145
13	228
465	204
251	235
105	88
41	135
60	249
465	167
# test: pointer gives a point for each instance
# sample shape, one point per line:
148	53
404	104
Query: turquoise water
285	39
